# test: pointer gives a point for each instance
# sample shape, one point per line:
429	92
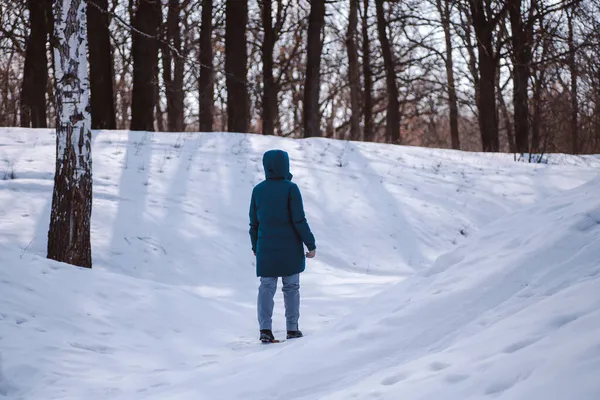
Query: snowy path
168	310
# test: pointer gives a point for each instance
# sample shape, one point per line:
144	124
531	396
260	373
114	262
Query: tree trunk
101	66
444	10
368	134
488	68
269	98
392	128
505	115
35	71
314	48
144	49
173	63
69	233
536	118
522	53
236	67
205	82
353	71
572	63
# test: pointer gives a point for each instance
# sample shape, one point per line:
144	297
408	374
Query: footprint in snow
456	378
393	379
438	366
94	348
521	344
562	320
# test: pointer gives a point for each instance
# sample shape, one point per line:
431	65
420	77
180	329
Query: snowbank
168	310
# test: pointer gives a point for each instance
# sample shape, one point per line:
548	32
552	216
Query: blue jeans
291	298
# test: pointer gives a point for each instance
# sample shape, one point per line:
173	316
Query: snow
439	274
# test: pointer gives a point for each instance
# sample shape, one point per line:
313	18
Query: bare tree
35	72
236	67
353	71
392	126
445	10
69	233
101	66
572	65
368	133
271	84
486	20
205	81
173	64
144	48
312	83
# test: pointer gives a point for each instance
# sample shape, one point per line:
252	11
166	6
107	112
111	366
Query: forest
520	76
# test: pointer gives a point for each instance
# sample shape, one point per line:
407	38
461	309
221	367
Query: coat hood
277	165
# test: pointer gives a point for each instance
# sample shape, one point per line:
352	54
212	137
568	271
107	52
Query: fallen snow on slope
168	310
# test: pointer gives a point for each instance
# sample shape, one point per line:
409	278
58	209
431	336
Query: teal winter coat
278	226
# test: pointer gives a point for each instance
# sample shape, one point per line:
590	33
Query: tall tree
272	32
173	64
101	66
522	43
236	65
69	233
485	21
205	82
353	71
269	98
314	48
35	72
392	126
572	65
368	133
444	9
144	48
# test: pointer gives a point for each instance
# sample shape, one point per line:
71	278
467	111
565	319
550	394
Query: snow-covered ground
439	274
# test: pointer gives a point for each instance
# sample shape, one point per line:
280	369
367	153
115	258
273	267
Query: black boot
266	336
294	334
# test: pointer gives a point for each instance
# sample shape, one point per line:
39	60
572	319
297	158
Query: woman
278	231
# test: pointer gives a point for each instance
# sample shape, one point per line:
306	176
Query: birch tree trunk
69	234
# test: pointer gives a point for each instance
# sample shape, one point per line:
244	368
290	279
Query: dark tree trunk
144	49
392	127
572	63
353	71
236	66
505	115
444	10
173	63
35	72
69	233
488	68
314	48
538	86
522	36
269	98
205	82
536	118
368	134
101	66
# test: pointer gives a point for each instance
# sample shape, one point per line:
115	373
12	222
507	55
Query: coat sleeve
253	223
299	218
